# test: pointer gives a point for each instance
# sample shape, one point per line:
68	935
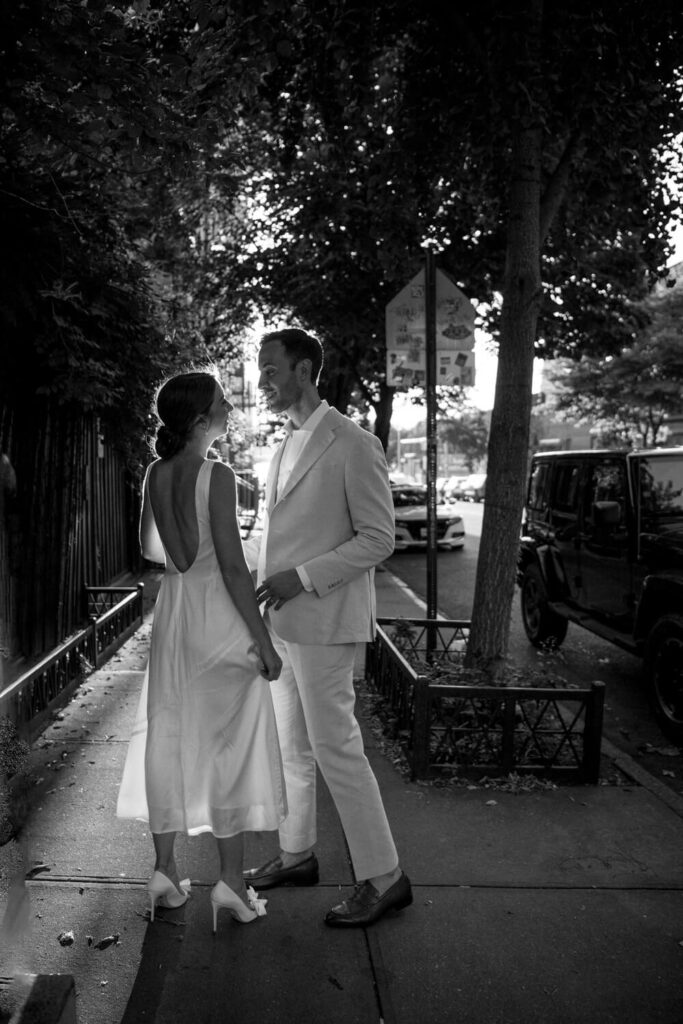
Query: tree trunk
383	408
509	434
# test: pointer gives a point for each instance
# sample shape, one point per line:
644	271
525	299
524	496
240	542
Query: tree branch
556	188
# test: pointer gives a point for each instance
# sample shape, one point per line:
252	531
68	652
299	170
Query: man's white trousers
314	708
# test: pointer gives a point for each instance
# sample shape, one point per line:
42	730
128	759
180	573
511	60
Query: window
661	487
567	478
539	486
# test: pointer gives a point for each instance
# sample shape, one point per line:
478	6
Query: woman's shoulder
151	469
220	468
221	474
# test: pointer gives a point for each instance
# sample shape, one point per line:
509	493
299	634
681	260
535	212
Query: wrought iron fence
31	699
452	729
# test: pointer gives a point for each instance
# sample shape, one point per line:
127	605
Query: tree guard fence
449	729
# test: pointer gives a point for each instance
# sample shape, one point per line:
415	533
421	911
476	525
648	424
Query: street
583	657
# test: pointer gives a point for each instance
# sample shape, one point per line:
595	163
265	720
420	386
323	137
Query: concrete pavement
543	907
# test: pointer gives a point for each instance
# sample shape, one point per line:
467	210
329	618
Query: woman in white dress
205	732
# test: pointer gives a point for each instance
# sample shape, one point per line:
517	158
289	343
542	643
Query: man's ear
306	369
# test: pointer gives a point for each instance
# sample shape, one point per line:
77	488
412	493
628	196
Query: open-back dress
204	754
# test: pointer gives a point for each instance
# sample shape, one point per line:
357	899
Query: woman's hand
269	661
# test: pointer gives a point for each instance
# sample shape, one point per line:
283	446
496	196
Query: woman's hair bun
167	443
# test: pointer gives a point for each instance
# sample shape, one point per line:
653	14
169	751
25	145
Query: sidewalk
546	907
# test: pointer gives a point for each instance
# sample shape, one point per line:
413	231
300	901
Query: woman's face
219	413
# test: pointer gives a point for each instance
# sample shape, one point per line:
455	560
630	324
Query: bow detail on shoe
256	902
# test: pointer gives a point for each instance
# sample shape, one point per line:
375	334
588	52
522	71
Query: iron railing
33	698
449	729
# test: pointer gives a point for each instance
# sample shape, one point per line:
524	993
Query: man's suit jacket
335	517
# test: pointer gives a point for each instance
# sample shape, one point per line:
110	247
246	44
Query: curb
634	771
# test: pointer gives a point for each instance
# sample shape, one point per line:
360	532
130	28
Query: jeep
602	546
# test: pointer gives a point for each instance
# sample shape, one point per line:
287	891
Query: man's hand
278	589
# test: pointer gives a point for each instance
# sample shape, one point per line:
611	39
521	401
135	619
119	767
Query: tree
628	397
469	435
528	143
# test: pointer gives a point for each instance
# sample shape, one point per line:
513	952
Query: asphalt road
583	658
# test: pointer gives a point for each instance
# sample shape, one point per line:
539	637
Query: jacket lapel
321	439
271	479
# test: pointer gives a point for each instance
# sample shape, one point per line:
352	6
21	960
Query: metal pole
430	388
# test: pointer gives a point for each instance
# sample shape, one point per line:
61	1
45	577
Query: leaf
109	940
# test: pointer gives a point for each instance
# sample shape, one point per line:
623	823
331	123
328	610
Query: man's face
279	383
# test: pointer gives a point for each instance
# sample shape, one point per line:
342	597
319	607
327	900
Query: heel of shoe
161	890
223	896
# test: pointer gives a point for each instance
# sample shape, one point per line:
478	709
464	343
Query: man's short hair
298	345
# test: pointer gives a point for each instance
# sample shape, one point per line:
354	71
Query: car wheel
542	625
664	674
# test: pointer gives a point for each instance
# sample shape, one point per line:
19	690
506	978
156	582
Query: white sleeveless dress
204	755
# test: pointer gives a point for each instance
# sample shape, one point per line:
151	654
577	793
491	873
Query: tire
664	675
542	625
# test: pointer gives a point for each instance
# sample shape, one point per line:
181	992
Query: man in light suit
329	521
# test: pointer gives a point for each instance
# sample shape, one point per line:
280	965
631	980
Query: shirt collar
313	420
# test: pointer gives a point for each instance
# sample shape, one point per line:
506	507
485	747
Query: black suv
602	546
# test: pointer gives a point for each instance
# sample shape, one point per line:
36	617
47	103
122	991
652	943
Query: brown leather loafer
366	905
273	873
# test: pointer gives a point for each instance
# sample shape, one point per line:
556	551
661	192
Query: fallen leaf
109	940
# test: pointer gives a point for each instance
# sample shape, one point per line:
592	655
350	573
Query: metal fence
70	515
450	729
32	699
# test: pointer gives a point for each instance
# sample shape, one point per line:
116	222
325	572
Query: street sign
406	334
430	337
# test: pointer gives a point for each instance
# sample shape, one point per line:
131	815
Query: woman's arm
150	541
236	575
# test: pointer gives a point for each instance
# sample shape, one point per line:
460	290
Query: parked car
410	517
602	546
474	487
452	489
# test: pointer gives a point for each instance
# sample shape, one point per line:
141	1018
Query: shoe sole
284	883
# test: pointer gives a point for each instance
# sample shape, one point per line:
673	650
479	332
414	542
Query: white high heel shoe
223	896
162	891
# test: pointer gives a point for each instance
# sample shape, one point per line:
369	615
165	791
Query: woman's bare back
172	488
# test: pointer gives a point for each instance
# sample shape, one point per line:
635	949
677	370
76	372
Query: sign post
430	392
430	341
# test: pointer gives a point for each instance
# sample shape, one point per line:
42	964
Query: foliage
84	131
469	435
528	144
168	168
13	756
13	750
627	397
